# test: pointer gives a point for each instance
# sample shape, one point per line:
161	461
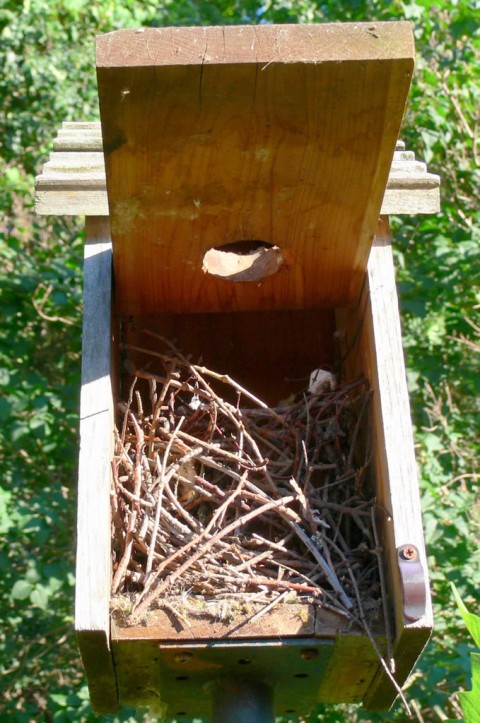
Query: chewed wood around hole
246	260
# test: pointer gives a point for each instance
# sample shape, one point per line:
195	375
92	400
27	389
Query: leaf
471	620
59	698
40	597
470	700
21	590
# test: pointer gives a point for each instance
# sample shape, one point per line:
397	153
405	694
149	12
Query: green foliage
47	53
470	701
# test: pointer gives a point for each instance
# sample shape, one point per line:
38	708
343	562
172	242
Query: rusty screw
408	553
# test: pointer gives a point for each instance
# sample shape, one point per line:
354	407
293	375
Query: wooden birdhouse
237	195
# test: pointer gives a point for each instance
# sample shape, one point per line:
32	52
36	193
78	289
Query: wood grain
93	570
72	181
373	347
283	134
270	353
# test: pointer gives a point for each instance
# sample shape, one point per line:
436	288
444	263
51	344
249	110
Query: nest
234	500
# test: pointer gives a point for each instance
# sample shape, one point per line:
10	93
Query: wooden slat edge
305	43
407	650
93	569
97	661
400	513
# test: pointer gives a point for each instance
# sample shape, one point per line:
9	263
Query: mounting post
236	700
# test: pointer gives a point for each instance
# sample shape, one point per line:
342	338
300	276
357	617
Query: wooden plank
93	570
217	621
73	180
351	668
373	347
282	134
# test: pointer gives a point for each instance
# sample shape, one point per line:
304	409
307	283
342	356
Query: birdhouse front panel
275	140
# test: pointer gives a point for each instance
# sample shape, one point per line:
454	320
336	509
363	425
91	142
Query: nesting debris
229	501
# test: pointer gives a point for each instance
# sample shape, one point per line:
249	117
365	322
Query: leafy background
47	55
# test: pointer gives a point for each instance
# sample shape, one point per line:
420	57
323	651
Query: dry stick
267	608
367	629
182	511
279	584
186	548
331	576
220	511
219	451
128	405
232	414
356	431
117	521
203	370
228	380
141	608
163	481
383	588
123	564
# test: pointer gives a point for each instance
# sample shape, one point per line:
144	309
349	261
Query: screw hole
244	661
182	677
301	675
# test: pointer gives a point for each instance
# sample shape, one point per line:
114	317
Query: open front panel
276	136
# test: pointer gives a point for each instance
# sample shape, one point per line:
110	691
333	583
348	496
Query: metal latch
413	582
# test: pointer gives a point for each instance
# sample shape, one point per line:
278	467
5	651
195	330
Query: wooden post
236	700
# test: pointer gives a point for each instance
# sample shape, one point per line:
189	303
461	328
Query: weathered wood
289	620
373	347
283	134
73	181
93	572
351	668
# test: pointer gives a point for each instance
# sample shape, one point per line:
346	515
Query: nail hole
181	712
301	675
243	260
183	657
290	710
182	677
244	661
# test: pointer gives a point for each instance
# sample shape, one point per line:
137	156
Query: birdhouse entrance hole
243	260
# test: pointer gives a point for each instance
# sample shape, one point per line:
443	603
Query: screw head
408	553
309	653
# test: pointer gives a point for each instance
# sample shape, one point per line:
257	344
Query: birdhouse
237	195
